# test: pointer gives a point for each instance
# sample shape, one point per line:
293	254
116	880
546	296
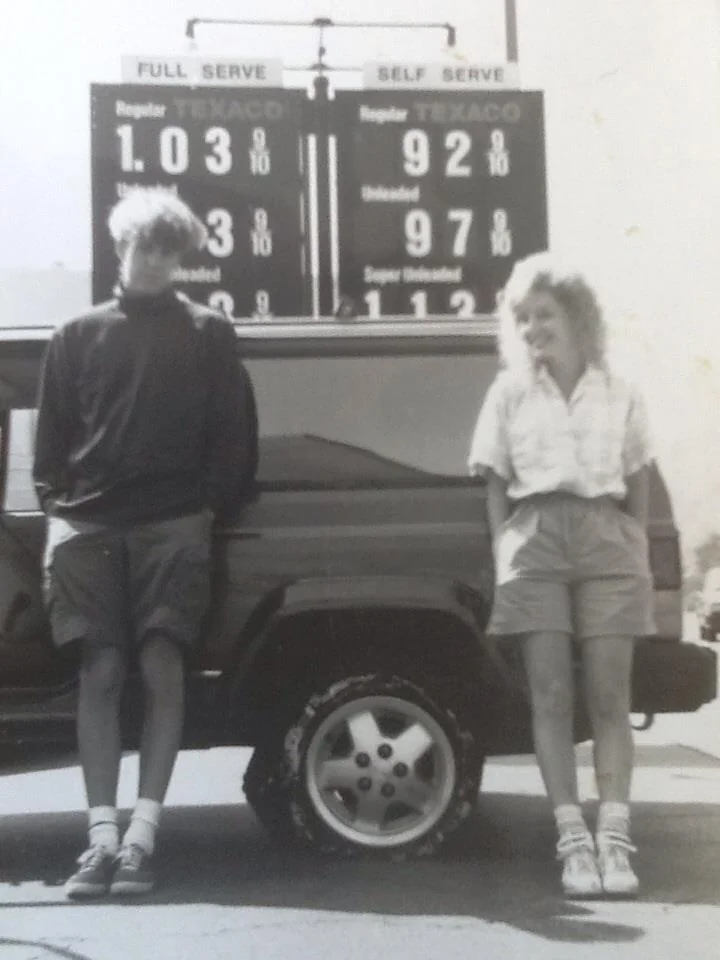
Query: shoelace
609	839
92	857
131	856
571	843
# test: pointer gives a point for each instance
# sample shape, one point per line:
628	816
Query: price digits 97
456	160
419	233
219	156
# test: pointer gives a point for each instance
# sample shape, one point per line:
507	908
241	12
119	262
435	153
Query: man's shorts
111	586
572	565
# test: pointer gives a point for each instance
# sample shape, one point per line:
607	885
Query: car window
19	490
337	422
367	421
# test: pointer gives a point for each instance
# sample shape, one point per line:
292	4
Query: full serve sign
439	172
440	191
232	152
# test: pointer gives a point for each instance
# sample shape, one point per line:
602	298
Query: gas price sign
235	156
439	193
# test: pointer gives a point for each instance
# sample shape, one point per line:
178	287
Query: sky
632	90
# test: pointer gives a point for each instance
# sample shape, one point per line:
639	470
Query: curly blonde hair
541	272
156	216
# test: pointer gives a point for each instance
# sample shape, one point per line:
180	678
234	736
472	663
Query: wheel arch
426	630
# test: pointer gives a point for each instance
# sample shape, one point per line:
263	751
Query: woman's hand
498	504
638	495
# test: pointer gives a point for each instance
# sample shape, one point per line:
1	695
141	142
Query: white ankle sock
569	819
613	817
143	825
103	828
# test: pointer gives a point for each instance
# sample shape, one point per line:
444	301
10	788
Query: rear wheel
267	793
377	765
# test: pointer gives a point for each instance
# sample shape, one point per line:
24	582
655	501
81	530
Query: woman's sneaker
580	874
618	877
92	878
133	872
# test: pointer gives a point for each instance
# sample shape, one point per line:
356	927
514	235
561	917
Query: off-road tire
446	773
267	793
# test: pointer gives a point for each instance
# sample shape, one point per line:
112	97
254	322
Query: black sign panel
235	156
439	193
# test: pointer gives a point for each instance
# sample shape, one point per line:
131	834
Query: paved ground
227	893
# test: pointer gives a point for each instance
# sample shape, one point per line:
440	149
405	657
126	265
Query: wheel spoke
380	769
337	775
370	812
364	732
412	744
415	794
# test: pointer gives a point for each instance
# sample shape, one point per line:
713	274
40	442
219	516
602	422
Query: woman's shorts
115	587
572	565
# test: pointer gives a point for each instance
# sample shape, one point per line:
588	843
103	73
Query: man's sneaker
580	874
133	872
618	877
92	879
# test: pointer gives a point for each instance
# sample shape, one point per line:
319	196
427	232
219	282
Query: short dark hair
157	217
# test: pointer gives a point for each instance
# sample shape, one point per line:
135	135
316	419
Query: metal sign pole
511	33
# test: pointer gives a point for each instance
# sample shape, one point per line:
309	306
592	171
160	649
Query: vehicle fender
396	594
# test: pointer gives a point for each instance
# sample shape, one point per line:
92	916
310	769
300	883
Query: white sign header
440	76
202	71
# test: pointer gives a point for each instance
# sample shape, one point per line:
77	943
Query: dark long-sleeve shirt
145	413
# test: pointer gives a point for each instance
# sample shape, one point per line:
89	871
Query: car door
27	658
30	668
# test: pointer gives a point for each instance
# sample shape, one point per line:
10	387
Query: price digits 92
456	162
219	155
455	155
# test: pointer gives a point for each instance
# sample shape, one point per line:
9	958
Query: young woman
563	443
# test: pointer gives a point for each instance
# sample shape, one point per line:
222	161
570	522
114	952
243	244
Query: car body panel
384	525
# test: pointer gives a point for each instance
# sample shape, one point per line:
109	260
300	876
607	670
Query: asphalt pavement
226	892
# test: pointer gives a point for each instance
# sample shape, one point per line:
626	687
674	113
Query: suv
709	606
346	641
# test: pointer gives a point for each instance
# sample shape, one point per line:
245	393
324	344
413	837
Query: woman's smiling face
546	329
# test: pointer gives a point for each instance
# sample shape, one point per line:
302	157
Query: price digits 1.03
173	145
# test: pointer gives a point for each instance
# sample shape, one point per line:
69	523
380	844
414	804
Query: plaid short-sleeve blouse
538	441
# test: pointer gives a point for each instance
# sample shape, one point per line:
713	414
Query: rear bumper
672	677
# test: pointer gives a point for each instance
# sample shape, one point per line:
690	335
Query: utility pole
511	34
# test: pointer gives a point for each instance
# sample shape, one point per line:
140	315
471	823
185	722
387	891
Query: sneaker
133	872
92	879
618	877
580	874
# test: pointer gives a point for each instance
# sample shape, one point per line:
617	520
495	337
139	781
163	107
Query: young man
146	432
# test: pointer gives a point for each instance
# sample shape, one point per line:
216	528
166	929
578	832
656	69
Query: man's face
146	269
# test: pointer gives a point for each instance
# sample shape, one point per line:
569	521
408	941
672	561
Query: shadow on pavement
647	756
501	870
